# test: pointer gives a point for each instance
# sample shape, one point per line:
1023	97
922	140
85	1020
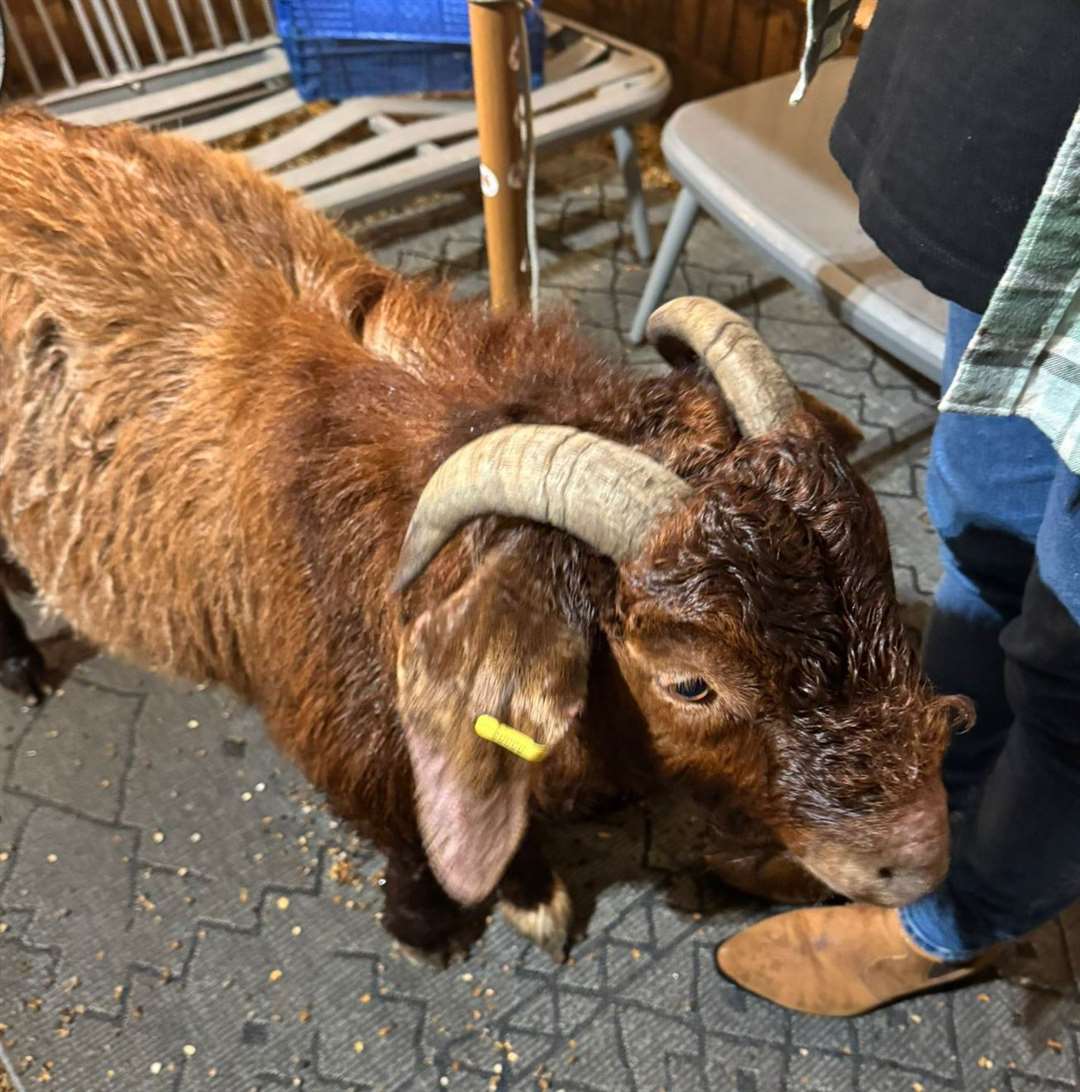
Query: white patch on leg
439	959
546	925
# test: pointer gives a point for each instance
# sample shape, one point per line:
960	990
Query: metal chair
763	169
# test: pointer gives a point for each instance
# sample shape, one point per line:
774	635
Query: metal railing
57	48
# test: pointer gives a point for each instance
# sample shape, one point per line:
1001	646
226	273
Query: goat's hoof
24	675
439	959
547	924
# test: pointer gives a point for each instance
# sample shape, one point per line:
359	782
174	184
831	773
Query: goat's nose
913	871
916	857
898	859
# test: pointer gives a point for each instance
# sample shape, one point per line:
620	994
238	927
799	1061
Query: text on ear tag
511	739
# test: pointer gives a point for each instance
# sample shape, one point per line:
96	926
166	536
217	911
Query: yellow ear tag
516	742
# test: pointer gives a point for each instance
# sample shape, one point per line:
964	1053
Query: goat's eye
691	689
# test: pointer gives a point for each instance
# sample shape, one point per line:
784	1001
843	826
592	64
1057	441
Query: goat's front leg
420	915
22	668
534	900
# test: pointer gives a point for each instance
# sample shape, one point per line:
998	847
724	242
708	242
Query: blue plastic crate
339	68
444	21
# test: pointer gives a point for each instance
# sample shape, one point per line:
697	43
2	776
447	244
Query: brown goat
218	419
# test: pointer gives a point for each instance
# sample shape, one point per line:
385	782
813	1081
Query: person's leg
987	487
1017	860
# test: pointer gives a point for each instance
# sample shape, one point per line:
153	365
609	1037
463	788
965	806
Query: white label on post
489	183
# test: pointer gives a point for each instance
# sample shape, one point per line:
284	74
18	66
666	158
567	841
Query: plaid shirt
1025	357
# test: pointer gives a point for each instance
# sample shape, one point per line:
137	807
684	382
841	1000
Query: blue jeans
1005	630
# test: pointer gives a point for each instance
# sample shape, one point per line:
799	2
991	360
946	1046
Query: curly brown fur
217	417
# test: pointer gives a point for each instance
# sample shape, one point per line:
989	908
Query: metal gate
124	59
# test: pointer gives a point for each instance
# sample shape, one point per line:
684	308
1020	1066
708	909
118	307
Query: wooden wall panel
716	25
783	42
710	45
747	39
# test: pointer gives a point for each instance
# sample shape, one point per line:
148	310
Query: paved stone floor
177	912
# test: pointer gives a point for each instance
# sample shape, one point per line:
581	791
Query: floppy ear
497	646
844	432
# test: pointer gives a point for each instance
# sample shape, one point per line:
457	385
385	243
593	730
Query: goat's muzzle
891	860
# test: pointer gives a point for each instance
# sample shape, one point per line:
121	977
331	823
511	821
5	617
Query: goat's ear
498	647
844	432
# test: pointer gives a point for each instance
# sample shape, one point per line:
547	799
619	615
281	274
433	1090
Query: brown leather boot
834	960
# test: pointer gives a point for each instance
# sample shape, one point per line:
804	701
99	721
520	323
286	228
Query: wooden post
494	28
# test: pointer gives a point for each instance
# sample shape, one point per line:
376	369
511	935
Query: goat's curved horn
604	493
756	387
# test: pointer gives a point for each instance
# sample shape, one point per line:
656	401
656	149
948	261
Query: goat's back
149	290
